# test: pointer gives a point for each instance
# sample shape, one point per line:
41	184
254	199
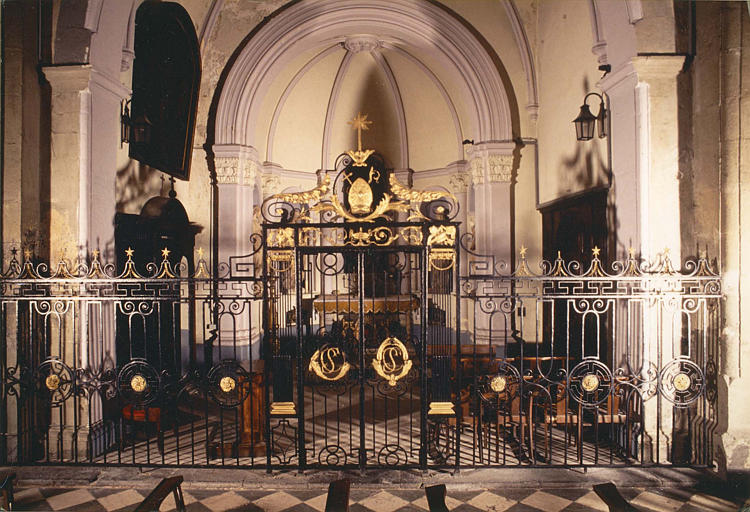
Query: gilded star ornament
129	252
200	253
165	253
595	251
523	251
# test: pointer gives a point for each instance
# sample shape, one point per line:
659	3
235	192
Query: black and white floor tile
103	499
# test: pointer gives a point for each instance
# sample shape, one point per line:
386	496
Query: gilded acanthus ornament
416	196
315	194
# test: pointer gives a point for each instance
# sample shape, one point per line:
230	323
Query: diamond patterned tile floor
102	499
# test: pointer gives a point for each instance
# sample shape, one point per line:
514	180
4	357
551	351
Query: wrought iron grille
360	332
557	368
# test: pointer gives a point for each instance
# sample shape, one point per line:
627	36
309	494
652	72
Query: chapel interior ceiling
413	101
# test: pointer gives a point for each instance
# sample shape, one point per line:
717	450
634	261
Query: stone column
491	167
459	184
236	173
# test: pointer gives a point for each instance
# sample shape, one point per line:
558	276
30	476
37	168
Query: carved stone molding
236	165
357	44
500	168
460	182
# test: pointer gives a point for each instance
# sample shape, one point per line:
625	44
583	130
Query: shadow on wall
376	101
588	168
135	184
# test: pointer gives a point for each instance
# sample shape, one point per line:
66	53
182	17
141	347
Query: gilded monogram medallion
392	360
329	363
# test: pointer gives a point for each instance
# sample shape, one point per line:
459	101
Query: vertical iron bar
265	351
457	284
361	316
423	264
300	373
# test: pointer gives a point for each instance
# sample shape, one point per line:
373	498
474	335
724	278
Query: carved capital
477	170
460	182
227	170
249	172
271	184
500	168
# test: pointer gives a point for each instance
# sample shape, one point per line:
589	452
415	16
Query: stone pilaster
69	166
659	201
734	380
656	99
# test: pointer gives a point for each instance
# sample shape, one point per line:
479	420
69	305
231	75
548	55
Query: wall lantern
585	121
138	130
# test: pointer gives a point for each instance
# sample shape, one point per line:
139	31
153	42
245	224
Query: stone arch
307	24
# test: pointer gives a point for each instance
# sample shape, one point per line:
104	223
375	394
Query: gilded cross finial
523	251
129	252
595	251
360	123
165	253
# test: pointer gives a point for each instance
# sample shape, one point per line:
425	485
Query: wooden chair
436	498
6	489
505	411
338	496
564	412
613	499
154	500
133	416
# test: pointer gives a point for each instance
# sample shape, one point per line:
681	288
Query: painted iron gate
363	331
361	321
